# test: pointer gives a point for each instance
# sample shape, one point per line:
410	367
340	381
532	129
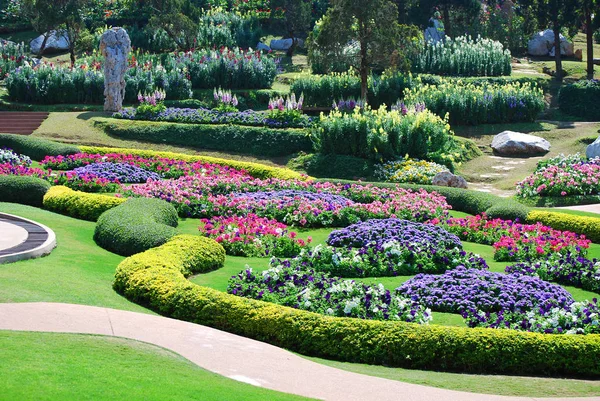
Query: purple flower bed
117	172
207	116
378	232
565	268
290	196
461	290
289	283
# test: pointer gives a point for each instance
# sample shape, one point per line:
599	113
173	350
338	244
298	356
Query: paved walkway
21	238
229	355
594	208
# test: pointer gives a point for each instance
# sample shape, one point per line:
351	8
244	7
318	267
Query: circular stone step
21	239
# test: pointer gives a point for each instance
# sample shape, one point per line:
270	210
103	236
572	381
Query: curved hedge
81	205
36	148
136	225
259	141
157	279
256	170
23	189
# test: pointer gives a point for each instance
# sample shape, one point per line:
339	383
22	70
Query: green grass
484	384
51	366
78	128
77	271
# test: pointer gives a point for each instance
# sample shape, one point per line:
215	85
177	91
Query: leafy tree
177	18
373	24
296	18
589	10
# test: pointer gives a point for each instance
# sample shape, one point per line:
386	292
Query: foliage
12	56
384	135
219	28
408	170
252	236
36	148
463	56
318	292
157	279
469	104
575	99
333	166
135	226
588	226
261	141
23	189
508	210
79	205
292	16
563	176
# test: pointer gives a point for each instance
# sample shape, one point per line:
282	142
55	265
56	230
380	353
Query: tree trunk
364	71
292	49
557	56
589	34
446	9
43	46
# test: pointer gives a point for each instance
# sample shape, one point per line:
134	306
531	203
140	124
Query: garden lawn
77	271
52	366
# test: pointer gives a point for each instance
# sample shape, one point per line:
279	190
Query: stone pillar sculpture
115	47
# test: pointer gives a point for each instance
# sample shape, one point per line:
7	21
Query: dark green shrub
231	138
508	210
36	148
22	189
581	99
333	166
136	225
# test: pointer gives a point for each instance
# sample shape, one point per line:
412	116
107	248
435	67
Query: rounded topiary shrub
508	210
136	225
22	189
36	148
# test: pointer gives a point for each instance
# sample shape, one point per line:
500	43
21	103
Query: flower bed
408	171
488	103
13	158
290	284
291	201
207	116
562	176
497	300
252	235
514	241
117	172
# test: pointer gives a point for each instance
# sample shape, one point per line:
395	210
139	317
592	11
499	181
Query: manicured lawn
485	384
51	366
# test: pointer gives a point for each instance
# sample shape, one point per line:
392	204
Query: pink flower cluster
515	241
562	180
202	196
9	169
168	168
252	235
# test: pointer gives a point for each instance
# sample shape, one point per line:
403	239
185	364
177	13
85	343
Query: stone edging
40	241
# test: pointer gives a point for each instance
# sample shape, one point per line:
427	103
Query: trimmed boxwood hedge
36	148
259	141
80	205
256	170
136	225
24	190
580	99
588	226
157	279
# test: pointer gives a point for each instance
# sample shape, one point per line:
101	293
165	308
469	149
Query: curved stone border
230	355
40	241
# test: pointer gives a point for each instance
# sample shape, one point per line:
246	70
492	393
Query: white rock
593	149
542	43
262	46
447	179
284	44
115	46
57	41
510	143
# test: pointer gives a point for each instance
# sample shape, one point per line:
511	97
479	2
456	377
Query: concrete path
21	239
594	208
236	357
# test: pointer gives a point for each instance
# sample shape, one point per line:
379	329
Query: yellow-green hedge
588	226
157	278
80	205
256	170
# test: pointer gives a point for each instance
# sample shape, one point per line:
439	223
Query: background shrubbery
581	99
36	148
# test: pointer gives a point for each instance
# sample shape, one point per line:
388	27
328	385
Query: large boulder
284	44
510	143
593	149
542	44
57	42
262	47
447	179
